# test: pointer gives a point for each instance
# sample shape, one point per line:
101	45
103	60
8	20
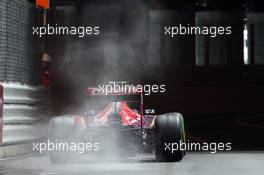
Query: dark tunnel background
205	78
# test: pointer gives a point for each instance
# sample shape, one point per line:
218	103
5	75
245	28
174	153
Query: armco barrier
20	94
25	118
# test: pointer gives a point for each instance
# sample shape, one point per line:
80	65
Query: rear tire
169	130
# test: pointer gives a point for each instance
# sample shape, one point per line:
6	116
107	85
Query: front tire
169	132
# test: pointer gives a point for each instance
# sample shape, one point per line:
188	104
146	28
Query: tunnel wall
220	50
255	26
211	90
19	50
164	50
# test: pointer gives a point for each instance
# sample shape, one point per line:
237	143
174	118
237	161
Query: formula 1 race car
117	124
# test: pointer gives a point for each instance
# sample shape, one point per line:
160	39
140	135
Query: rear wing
124	90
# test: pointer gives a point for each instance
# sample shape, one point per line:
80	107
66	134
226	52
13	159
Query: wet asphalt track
235	163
